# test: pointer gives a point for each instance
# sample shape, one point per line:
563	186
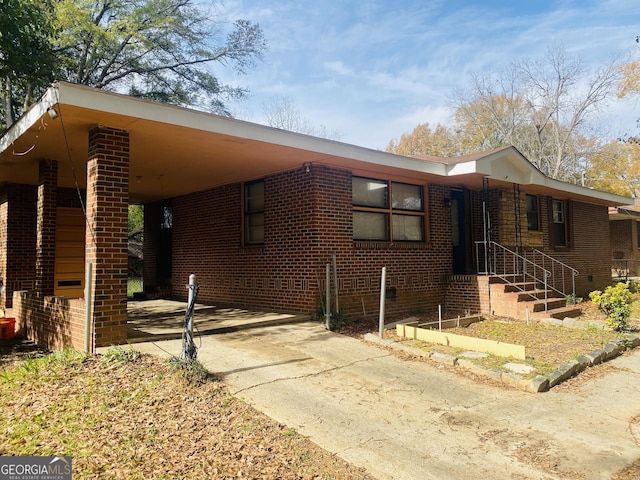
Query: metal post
335	281
87	308
383	285
327	310
191	287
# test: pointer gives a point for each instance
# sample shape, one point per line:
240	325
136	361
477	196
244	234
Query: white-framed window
559	223
387	211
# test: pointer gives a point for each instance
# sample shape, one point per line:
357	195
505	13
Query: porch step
559	313
515	299
549	304
519	287
537	294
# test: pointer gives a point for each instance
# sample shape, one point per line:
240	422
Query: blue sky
373	70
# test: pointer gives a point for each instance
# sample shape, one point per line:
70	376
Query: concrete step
519	287
559	313
542	305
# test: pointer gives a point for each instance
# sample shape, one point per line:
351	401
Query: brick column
46	227
17	240
106	235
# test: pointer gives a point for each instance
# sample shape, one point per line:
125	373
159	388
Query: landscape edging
538	384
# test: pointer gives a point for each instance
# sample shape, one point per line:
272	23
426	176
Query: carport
161	319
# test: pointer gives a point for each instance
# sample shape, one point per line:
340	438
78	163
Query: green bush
615	302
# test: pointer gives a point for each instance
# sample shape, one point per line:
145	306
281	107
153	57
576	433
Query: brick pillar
17	240
46	227
106	235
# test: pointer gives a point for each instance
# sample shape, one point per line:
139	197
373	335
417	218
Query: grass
134	285
546	346
125	415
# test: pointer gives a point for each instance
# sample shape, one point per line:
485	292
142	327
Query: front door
458	231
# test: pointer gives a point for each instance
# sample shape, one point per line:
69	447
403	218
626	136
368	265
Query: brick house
258	213
625	239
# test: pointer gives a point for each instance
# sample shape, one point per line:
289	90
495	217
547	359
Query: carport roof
175	151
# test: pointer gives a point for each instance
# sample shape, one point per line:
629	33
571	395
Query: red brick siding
624	241
589	251
17	239
106	238
53	322
308	218
46	227
468	295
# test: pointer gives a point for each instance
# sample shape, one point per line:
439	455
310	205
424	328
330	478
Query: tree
629	84
26	54
157	49
284	114
616	168
541	107
162	50
441	142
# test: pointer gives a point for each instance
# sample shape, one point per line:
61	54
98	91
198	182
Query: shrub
615	302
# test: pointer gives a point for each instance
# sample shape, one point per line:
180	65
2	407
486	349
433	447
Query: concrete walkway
404	419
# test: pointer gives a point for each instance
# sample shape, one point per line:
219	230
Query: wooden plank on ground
461	341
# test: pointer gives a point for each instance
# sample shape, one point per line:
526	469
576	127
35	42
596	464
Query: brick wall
468	295
107	226
54	322
622	235
589	251
308	219
17	239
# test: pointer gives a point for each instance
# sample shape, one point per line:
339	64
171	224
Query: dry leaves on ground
144	418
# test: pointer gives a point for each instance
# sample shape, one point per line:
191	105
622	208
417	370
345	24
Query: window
384	211
559	223
638	233
533	222
254	213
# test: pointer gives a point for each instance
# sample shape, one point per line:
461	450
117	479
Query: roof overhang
175	151
507	165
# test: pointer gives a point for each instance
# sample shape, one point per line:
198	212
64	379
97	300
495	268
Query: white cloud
375	69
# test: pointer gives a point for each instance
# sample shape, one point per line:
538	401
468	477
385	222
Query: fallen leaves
144	419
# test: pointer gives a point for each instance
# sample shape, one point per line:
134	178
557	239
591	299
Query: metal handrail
513	265
557	264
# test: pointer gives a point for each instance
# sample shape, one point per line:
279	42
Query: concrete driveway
404	419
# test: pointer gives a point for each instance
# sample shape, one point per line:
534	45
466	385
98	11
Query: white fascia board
463	168
114	103
614	199
29	119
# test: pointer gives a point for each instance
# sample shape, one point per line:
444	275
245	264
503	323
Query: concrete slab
408	419
163	319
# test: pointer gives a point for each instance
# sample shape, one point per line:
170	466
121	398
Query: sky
371	70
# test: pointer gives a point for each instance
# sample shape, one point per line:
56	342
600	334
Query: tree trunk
7	103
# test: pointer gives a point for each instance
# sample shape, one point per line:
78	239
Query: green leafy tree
157	49
26	54
164	50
